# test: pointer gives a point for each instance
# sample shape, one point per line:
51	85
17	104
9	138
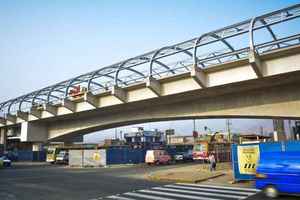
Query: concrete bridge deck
252	82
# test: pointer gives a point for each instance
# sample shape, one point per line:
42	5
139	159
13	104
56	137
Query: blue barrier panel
39	156
289	146
125	156
25	155
270	147
293	146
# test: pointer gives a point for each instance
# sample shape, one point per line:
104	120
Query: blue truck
278	172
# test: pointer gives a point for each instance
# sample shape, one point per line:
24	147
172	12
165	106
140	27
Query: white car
5	162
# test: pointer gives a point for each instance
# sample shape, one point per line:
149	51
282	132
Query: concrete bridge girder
254	103
281	62
276	64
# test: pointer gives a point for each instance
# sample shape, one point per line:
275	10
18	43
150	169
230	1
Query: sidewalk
190	174
200	173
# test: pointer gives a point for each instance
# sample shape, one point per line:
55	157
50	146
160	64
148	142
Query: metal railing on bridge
259	35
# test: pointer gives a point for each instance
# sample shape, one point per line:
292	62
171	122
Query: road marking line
119	197
177	195
201	193
221	187
146	196
211	190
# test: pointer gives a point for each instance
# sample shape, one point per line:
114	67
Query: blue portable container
279	172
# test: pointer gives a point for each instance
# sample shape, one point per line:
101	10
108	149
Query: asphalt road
44	182
53	183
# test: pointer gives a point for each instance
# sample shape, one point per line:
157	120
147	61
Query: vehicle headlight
260	176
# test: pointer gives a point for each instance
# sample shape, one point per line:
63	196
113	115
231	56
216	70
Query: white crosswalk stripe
181	191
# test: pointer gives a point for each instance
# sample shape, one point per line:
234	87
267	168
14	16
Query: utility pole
228	124
194	125
261	128
121	135
290	129
116	133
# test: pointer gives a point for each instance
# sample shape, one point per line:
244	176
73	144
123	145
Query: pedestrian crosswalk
181	191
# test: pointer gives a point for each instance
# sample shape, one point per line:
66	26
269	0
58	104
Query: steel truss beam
232	32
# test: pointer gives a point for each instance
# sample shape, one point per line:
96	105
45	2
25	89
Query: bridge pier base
33	132
3	137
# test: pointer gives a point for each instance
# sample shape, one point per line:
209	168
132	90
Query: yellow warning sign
248	157
96	156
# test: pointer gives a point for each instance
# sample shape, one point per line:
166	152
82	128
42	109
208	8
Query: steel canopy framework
261	34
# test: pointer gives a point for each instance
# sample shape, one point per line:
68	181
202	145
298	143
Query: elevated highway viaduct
260	80
232	90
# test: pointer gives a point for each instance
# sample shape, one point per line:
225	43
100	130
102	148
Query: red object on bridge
76	90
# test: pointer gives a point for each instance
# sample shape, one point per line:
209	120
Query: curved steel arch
3	105
53	89
126	68
221	35
224	42
37	94
47	93
153	58
213	35
71	82
251	32
24	99
11	104
95	73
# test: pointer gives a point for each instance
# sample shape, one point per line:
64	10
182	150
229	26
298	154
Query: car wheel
270	191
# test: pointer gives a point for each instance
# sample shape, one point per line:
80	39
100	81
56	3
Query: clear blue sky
43	42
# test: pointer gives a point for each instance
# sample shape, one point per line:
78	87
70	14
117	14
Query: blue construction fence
284	146
27	155
132	156
125	156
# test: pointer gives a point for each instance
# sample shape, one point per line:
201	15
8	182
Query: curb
183	180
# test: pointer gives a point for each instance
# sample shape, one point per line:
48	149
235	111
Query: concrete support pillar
70	105
23	115
279	129
119	93
37	146
91	99
275	136
33	132
199	76
50	109
255	63
153	85
3	137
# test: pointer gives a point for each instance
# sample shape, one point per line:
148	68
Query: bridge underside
272	97
247	78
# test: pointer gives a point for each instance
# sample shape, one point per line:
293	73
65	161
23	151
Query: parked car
279	172
62	157
186	155
157	157
5	162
